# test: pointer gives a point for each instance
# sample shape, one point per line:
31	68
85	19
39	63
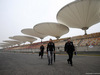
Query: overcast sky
16	15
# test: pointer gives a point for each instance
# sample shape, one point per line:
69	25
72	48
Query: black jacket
50	46
42	48
69	47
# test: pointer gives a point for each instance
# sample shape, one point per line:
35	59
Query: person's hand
75	52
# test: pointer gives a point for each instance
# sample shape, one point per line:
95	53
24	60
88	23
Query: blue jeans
50	57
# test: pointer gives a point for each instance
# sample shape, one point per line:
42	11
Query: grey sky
16	15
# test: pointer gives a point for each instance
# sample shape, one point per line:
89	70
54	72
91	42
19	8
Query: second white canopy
52	29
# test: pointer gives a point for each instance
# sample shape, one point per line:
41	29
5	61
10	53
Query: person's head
50	40
69	39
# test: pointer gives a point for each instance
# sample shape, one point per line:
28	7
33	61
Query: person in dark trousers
50	51
41	51
69	48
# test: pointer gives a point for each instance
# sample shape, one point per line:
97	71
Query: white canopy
14	38
11	41
80	14
50	28
5	44
23	38
31	32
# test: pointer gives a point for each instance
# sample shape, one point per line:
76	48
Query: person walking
50	51
69	48
41	51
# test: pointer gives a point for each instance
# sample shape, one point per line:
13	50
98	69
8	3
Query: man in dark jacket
41	51
69	48
50	51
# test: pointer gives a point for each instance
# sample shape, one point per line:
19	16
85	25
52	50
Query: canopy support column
85	28
85	32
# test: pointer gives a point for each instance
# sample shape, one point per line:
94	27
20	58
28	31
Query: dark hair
50	39
68	38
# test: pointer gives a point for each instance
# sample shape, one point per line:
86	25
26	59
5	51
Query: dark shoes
68	61
71	64
49	63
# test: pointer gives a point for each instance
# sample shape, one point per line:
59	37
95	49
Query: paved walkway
31	64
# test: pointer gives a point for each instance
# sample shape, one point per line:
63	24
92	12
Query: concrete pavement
32	64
